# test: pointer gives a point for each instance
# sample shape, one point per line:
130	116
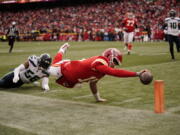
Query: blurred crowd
100	21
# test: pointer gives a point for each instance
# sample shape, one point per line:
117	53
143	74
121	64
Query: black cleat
173	59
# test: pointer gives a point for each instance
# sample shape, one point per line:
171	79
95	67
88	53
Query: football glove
15	79
46	88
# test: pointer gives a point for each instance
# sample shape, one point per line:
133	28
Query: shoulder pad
177	18
167	19
101	60
33	60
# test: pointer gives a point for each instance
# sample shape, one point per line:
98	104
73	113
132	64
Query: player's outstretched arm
142	71
115	72
95	92
119	72
17	70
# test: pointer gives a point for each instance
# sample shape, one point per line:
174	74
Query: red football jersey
81	71
129	24
91	69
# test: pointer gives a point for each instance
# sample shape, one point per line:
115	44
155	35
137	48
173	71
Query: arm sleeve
18	69
115	72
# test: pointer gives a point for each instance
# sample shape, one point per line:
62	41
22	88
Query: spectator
90	17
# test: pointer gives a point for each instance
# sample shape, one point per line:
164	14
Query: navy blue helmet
172	13
45	60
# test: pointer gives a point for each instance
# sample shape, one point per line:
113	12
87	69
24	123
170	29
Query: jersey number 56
30	75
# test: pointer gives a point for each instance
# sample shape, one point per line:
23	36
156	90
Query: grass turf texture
129	109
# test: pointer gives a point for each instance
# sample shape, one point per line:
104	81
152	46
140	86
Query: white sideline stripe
82	103
127	101
153	54
13	51
85	96
36	100
174	109
18	127
51	91
71	102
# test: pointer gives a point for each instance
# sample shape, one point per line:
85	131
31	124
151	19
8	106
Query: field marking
146	53
47	116
51	91
13	51
174	109
85	96
127	101
18	127
78	103
66	101
152	54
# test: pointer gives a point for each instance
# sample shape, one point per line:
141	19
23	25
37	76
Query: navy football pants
7	81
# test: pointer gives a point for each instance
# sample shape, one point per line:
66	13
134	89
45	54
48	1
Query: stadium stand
100	21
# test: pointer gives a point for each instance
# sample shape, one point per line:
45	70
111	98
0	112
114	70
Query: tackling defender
33	69
91	70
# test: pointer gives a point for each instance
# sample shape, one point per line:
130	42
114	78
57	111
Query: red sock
129	47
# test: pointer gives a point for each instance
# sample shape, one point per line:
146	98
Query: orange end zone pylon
158	96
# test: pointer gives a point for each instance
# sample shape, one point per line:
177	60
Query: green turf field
61	111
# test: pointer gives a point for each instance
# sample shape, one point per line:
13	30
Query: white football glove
46	88
15	79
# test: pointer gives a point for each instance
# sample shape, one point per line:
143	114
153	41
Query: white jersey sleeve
33	72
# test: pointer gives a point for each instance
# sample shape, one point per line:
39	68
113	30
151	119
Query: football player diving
33	69
91	70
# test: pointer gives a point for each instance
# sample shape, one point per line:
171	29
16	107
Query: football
146	77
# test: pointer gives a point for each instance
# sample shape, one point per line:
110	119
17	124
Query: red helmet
114	56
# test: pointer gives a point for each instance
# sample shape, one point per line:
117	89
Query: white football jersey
33	72
172	26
